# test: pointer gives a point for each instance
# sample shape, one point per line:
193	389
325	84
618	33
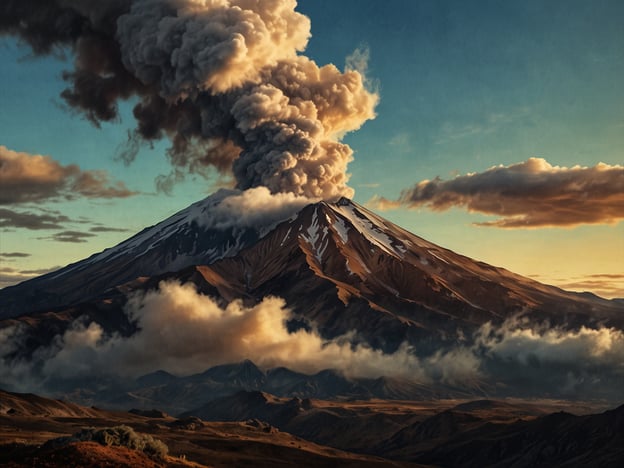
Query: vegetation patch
119	436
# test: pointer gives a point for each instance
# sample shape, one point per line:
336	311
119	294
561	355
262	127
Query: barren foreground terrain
34	432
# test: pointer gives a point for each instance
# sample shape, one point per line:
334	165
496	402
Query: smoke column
222	79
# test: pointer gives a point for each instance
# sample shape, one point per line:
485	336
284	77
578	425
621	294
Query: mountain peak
344	201
361	258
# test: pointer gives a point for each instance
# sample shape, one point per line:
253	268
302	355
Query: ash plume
222	79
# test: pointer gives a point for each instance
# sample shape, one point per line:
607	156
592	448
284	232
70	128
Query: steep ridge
343	255
190	237
27	404
519	434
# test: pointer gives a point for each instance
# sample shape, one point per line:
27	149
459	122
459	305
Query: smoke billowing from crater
222	79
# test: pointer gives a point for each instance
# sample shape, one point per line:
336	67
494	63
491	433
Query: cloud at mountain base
184	332
584	362
528	344
529	194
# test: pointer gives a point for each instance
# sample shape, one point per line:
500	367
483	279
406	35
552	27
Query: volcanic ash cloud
222	79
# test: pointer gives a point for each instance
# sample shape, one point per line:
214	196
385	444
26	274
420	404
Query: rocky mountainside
558	439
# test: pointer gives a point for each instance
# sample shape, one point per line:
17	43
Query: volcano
336	264
344	273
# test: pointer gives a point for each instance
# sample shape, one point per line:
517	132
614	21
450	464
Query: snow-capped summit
206	231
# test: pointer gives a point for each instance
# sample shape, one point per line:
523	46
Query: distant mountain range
177	395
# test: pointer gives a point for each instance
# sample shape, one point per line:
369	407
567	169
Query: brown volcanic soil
409	433
77	454
218	444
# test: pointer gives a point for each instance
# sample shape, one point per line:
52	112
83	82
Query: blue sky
464	86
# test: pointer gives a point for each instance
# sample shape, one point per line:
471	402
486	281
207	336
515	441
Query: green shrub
124	436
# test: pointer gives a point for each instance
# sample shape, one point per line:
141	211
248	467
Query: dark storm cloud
529	194
223	80
28	178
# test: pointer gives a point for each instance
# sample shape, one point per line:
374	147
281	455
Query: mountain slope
355	259
190	237
558	439
338	266
367	274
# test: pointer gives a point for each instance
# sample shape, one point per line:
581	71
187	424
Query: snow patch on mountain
341	229
369	230
316	237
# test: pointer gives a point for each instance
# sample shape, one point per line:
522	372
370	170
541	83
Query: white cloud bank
184	332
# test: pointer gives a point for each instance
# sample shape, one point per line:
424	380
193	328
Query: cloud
358	61
523	342
107	229
225	81
401	142
28	220
72	236
526	195
487	124
33	178
206	334
184	332
14	254
605	285
255	208
76	237
586	362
